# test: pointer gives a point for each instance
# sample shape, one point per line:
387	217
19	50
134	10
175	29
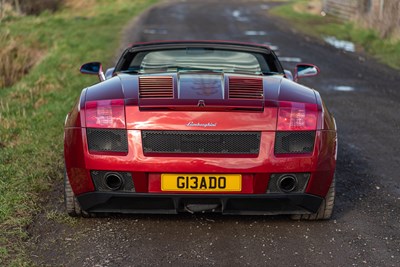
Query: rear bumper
234	204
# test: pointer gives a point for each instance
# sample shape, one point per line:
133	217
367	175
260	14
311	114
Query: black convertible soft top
129	54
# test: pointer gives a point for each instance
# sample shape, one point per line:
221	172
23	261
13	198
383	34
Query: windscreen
199	59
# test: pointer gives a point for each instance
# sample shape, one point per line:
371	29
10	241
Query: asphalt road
365	229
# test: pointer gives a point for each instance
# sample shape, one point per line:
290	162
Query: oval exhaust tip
287	183
113	181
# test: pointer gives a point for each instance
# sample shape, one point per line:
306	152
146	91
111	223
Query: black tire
71	204
325	210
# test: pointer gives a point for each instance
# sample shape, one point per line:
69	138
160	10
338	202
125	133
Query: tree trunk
2	2
17	6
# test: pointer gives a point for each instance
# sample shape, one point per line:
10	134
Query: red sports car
200	126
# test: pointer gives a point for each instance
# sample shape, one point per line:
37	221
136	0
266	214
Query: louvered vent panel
246	88
156	87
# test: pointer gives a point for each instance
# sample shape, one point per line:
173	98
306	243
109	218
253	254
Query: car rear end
244	155
196	128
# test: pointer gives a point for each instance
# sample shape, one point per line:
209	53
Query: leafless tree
17	6
2	3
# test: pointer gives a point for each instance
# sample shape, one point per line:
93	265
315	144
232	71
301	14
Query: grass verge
385	50
32	111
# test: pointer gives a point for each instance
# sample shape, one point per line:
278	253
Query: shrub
35	7
15	59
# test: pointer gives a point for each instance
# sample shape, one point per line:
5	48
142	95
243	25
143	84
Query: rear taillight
105	114
297	116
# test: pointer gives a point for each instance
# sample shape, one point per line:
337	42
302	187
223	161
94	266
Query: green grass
385	50
32	111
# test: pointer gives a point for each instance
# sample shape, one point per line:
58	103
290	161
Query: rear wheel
71	204
325	210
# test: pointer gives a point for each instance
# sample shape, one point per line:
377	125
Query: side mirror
305	70
93	68
288	75
109	73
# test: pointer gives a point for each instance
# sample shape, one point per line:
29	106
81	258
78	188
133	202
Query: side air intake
156	87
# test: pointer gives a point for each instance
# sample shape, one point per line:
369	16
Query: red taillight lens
297	117
105	114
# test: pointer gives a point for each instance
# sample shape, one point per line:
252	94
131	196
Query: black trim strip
237	204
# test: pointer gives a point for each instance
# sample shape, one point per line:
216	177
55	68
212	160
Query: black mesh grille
201	142
294	142
107	140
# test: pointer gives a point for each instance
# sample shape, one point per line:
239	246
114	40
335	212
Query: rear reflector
297	116
105	114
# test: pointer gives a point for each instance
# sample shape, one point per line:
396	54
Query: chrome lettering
205	125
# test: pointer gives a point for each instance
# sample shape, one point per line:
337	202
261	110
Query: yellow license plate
201	182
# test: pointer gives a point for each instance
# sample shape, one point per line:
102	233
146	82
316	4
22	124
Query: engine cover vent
246	88
156	87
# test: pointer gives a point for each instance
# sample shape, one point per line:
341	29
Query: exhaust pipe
113	181
287	183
